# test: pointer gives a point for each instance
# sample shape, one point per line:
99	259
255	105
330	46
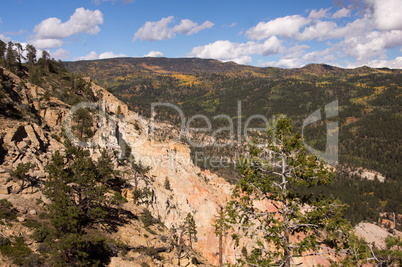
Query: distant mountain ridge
197	65
182	65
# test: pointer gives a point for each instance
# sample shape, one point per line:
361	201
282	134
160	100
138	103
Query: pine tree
43	62
10	56
105	168
31	54
220	226
191	228
314	223
139	172
19	54
83	124
77	203
3	49
21	173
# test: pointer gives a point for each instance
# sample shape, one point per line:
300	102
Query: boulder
4	190
32	212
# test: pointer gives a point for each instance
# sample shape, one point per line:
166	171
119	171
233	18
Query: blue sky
287	33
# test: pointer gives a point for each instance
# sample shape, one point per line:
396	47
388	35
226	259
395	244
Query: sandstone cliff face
192	190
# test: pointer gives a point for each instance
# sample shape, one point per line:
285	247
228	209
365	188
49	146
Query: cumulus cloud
49	32
46	43
160	30
82	21
291	58
155	30
283	63
341	13
110	55
154	54
4	38
61	54
373	45
287	27
93	56
318	14
323	56
393	64
387	14
321	30
188	27
237	52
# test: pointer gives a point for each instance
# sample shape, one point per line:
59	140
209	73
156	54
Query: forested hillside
369	112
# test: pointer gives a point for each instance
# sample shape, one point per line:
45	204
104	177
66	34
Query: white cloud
287	27
320	30
160	30
4	38
373	45
387	14
229	26
60	54
15	33
393	64
318	14
324	56
341	13
283	63
110	55
188	27
291	58
154	54
46	43
237	52
82	21
93	56
49	32
155	30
